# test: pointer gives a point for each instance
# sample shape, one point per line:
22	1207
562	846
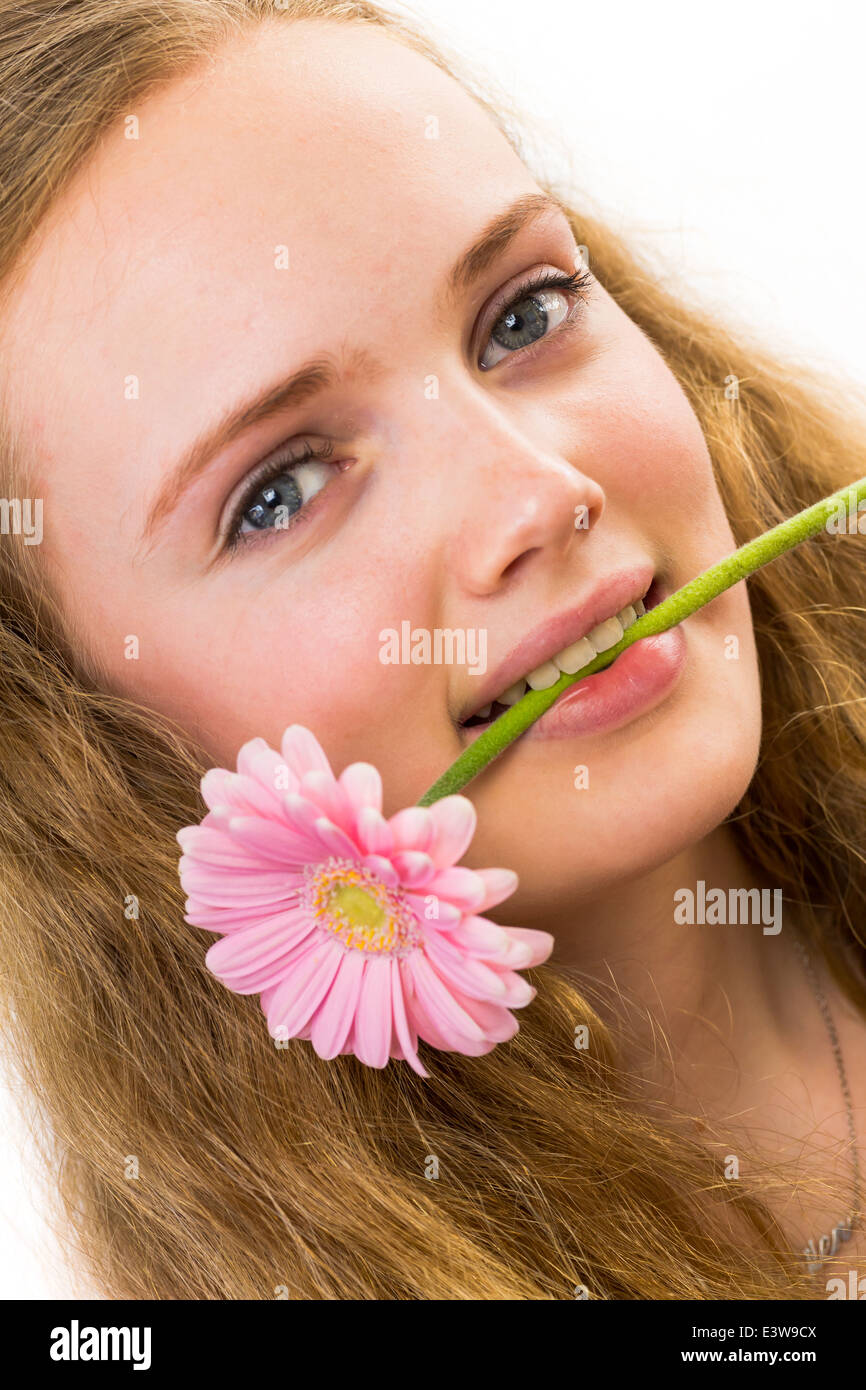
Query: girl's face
319	244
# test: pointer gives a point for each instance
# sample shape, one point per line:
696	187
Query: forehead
329	151
334	142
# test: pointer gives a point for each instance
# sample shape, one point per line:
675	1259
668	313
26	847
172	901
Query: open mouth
571	659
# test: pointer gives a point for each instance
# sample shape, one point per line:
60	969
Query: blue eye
535	313
278	492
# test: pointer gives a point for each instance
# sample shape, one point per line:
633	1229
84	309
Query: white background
727	139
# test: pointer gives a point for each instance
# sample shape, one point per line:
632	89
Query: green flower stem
667	614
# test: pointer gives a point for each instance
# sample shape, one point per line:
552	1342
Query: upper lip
607	598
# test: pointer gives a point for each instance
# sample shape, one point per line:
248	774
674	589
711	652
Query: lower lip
638	680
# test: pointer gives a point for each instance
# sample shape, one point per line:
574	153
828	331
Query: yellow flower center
358	907
361	911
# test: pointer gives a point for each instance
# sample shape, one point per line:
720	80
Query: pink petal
253	912
234	884
539	943
418	1018
467	973
306	954
439	1002
302	817
303	752
373	832
220	820
499	884
373	1017
216	847
247	753
412	828
412	868
382	868
222	919
454	819
477	936
258	761
216	786
248	963
511	990
277	843
462	887
498	1023
336	841
238	794
404	1033
296	999
261	940
225	888
331	798
363	786
518	991
422	1019
422	904
336	1013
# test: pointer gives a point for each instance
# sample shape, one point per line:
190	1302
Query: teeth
578	654
572	659
544	676
606	635
513	694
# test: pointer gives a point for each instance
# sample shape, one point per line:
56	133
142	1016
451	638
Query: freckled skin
458	512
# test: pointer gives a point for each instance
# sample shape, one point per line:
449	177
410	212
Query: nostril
517	563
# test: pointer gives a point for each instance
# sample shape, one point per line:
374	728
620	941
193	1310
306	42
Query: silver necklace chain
817	1253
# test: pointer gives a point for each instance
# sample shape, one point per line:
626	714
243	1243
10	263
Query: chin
655	789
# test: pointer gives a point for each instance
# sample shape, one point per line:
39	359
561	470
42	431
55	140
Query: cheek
255	659
248	674
667	456
646	439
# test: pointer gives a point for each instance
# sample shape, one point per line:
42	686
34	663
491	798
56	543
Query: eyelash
577	283
266	473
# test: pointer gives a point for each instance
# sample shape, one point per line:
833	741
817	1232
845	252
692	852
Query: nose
519	502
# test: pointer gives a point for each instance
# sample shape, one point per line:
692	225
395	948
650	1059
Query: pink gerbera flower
359	932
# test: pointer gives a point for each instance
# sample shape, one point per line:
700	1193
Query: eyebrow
320	373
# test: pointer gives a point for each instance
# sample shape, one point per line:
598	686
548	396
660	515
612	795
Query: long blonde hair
260	1168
